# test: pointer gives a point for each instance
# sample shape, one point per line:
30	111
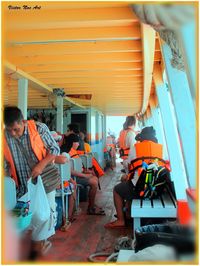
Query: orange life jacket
111	145
87	147
97	168
80	152
122	142
74	153
36	143
147	148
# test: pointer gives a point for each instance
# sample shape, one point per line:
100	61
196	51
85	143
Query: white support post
66	121
158	125
59	117
173	143
185	113
23	96
147	122
150	121
89	125
97	126
188	43
104	131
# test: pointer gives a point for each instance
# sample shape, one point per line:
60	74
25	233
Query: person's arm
130	142
81	175
61	159
39	167
52	149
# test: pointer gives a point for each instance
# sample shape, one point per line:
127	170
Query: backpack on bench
154	178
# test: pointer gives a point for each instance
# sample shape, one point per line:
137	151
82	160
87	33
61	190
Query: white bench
164	207
86	160
65	174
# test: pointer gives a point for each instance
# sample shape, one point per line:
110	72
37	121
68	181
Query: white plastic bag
39	205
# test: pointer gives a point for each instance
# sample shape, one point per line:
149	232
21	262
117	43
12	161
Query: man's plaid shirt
22	168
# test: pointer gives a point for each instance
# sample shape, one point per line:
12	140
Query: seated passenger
96	169
87	147
72	129
84	178
124	191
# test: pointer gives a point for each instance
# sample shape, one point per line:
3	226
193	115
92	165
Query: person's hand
37	170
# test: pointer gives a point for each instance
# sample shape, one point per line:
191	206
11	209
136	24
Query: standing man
127	140
36	140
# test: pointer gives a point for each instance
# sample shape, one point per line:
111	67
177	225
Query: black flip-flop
93	211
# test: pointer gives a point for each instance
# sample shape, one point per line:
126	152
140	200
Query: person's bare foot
115	224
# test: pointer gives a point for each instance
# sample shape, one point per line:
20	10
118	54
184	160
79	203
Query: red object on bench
184	214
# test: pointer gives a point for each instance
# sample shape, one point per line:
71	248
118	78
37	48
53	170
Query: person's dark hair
69	142
147	133
124	126
81	146
12	114
130	121
74	127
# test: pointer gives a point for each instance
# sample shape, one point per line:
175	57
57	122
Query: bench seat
163	207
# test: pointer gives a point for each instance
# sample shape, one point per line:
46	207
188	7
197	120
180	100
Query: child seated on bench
85	178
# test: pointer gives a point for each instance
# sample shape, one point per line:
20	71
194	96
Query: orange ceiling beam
69	18
74	48
73	34
84	67
79	58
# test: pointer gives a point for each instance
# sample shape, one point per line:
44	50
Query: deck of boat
87	234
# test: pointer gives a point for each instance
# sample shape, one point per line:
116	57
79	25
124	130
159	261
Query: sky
115	124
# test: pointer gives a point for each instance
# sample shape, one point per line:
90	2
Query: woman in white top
130	133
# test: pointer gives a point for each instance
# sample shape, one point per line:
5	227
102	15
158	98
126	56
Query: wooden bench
164	207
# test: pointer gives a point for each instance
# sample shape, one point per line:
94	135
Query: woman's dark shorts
82	181
125	190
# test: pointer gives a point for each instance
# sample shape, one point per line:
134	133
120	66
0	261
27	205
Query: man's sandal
45	247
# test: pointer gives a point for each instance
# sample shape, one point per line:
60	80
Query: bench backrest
65	171
76	164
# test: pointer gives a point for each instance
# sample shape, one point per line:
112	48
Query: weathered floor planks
87	234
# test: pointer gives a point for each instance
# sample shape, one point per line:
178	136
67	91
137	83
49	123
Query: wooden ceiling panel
121	66
74	48
75	59
85	47
72	35
70	18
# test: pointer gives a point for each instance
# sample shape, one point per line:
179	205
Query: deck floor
87	234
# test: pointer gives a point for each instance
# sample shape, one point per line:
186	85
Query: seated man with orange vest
84	178
96	168
124	191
